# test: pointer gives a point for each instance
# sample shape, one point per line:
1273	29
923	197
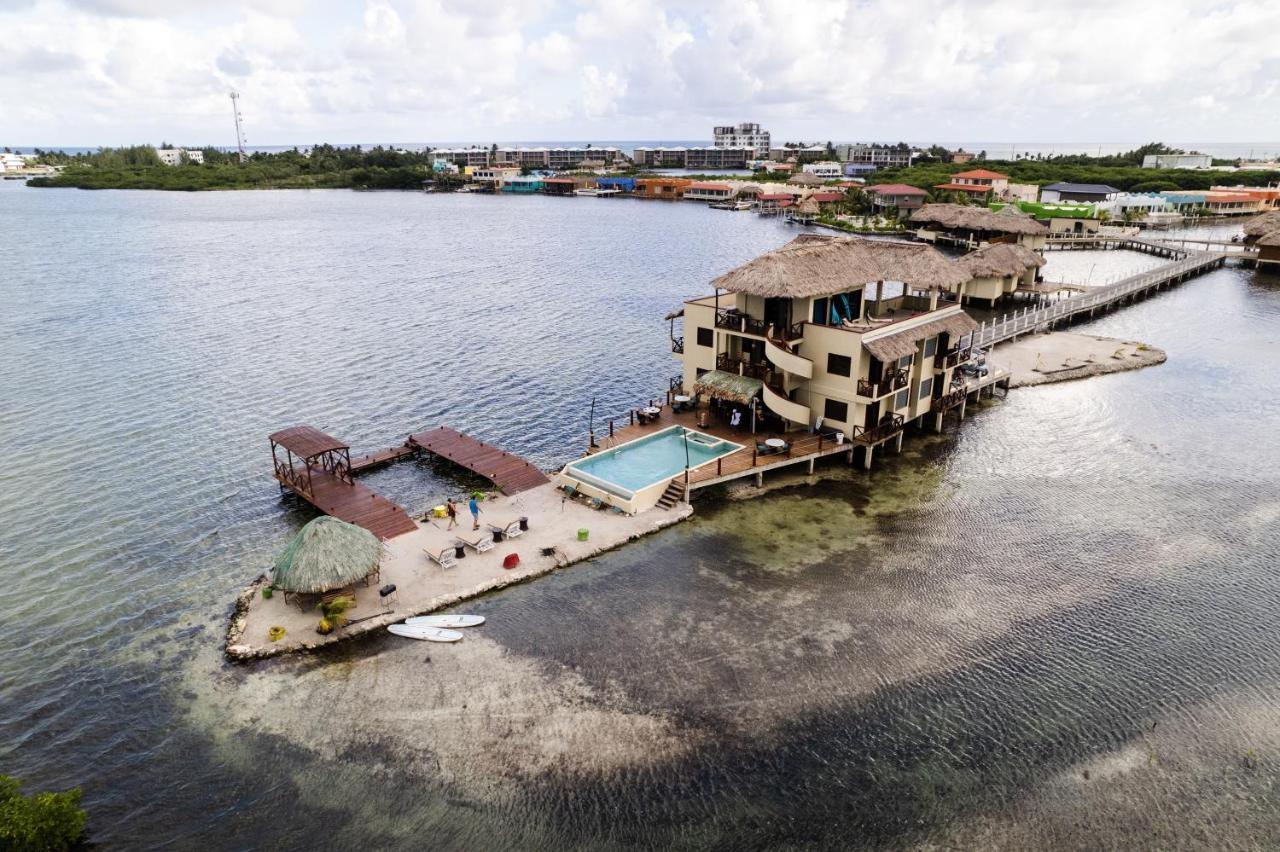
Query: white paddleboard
421	631
451	621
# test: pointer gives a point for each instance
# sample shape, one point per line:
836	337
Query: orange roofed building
976	183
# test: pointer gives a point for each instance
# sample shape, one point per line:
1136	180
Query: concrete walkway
423	586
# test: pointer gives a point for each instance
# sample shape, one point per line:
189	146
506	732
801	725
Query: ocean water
1053	627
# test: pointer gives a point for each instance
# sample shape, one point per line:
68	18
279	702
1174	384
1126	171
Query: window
900	401
839	365
904	363
820	311
930	347
706	337
926	387
702	371
836	410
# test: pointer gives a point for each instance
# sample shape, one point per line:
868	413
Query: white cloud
441	70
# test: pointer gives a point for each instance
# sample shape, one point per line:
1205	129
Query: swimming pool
636	465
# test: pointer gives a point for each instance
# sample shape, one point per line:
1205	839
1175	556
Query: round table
775	443
681	398
651	411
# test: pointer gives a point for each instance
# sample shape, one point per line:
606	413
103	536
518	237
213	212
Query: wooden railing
735	321
895	381
888	426
677	345
952	358
729	364
949	400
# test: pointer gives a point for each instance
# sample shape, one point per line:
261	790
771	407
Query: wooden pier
510	473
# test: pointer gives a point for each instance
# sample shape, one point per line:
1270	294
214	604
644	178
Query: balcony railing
894	381
729	364
949	400
677	345
952	358
888	426
734	321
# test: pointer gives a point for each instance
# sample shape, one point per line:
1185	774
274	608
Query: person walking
475	513
452	508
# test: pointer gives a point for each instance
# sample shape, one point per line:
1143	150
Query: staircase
673	495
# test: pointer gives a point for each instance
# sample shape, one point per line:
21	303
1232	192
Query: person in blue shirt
475	513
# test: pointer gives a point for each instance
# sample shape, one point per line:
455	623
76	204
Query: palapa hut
804	179
1259	226
1269	247
978	226
806	210
325	555
997	270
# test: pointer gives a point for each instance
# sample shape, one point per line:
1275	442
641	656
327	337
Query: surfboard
420	631
452	621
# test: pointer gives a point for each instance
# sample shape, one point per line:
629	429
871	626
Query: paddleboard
419	631
452	621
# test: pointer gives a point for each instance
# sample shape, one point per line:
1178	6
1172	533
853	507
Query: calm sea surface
1058	626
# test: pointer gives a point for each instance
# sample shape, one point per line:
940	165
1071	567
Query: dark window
702	371
836	410
820	312
839	365
926	387
900	401
930	347
706	337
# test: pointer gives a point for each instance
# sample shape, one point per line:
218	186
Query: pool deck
423	586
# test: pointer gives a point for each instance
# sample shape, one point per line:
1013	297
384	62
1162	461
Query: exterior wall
672	188
745	135
826	170
698	192
1177	161
879	156
1021	192
735	157
173	156
1069	225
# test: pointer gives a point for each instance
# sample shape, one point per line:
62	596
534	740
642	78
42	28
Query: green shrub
44	822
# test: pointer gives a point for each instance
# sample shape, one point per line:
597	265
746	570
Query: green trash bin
582	535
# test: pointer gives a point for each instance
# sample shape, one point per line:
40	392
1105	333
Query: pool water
645	461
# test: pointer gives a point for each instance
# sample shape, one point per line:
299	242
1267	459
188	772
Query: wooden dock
357	504
510	473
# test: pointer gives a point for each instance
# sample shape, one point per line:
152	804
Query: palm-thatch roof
728	386
805	179
750	189
326	554
808	206
964	217
893	343
1000	259
815	265
1261	225
1271	239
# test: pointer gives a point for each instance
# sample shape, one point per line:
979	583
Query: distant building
905	198
1021	192
825	169
173	156
960	156
1269	197
496	175
12	162
1216	202
800	152
534	158
693	158
1090	192
877	155
858	169
709	192
976	183
744	135
670	188
1177	161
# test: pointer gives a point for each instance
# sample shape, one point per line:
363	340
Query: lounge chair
445	557
509	530
480	544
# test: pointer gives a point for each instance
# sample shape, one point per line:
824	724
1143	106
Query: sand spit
1061	356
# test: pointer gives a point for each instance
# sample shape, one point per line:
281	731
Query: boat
598	193
425	633
453	621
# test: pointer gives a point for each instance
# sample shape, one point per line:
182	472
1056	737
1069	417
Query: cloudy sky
105	72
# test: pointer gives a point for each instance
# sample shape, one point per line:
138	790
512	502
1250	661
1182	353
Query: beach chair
480	544
445	558
508	530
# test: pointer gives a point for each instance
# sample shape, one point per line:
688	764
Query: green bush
44	822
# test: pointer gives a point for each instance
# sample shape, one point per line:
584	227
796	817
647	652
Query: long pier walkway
510	473
1129	289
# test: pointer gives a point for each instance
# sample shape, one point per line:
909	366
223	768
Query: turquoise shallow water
1054	627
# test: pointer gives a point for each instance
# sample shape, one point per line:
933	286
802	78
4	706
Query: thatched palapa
728	386
326	554
1271	239
813	265
1001	259
808	206
804	179
964	218
898	344
1260	226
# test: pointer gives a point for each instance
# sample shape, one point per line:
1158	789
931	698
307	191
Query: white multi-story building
12	162
744	135
877	155
174	156
827	170
1177	161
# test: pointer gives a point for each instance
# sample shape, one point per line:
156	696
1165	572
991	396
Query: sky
111	72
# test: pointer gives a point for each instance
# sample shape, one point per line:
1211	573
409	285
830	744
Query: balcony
949	400
893	381
889	425
951	358
677	345
775	399
741	367
731	320
784	359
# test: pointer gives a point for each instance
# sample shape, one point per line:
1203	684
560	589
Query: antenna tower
235	110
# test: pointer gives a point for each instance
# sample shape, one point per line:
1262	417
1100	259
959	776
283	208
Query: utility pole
235	110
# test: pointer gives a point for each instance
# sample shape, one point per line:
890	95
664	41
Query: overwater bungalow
997	271
974	227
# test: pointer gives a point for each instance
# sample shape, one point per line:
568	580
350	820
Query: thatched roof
963	217
728	386
326	554
1000	259
1271	239
808	206
750	189
814	265
805	179
1261	225
898	344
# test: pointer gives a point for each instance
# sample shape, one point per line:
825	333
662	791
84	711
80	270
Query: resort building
660	158
825	169
799	152
525	183
464	157
997	271
177	156
12	162
670	188
1214	202
960	156
1088	192
534	158
832	333
905	199
1177	161
1061	218
977	183
745	135
693	158
709	192
876	155
975	227
494	175
1021	192
1268	197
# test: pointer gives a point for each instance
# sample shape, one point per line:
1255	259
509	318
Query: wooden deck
510	473
356	504
368	461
